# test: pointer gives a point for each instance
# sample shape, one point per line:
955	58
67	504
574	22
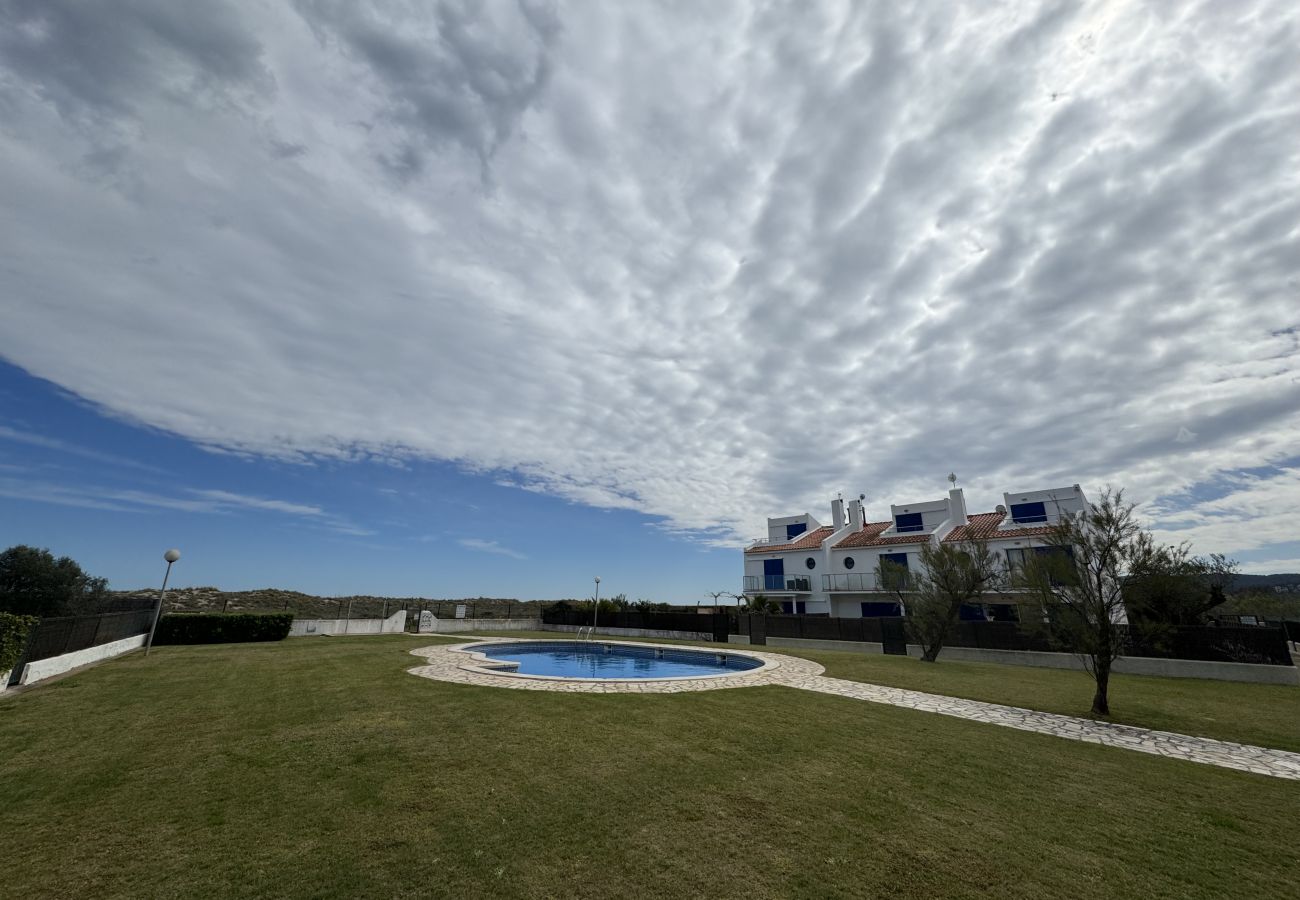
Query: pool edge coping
478	667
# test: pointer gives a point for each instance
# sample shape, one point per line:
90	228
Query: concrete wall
636	632
1129	665
394	624
57	665
454	626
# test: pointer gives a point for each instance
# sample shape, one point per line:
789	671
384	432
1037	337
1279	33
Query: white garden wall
394	624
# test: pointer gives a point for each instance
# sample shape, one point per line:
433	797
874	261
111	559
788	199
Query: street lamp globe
172	555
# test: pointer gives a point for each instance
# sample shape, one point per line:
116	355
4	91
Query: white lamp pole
171	556
595	609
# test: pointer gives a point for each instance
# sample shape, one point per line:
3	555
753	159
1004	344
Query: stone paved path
451	662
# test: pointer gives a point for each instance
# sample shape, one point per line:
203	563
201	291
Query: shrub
13	638
222	628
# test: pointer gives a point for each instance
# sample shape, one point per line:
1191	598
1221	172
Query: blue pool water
575	659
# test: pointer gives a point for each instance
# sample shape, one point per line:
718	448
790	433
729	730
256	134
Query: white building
836	569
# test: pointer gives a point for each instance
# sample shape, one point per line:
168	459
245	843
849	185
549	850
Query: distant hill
309	606
1286	583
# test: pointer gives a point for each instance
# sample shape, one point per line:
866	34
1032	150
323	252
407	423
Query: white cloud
489	547
194	501
709	262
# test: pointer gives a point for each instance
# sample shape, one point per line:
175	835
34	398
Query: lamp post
171	556
595	607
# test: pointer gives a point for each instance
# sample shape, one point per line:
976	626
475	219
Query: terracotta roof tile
984	527
869	536
809	541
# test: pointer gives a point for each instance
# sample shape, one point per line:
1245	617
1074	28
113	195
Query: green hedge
13	638
222	628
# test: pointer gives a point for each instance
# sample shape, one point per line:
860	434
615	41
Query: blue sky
629	278
107	493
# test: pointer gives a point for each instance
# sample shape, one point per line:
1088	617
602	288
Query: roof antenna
952	479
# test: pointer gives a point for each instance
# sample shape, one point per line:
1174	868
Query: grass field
1263	714
318	767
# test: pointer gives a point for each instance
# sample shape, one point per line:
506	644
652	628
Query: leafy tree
951	576
34	583
1081	590
1172	588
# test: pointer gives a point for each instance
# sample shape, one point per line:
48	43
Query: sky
461	298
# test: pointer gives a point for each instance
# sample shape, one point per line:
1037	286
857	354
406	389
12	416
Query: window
1056	558
794	607
872	610
909	522
810	563
1028	512
893	571
793	531
848	562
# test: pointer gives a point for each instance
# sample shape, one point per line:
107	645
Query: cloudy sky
631	277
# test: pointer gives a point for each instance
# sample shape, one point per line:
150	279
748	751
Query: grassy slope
319	768
1263	714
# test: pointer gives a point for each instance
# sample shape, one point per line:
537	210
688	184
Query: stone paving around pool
450	662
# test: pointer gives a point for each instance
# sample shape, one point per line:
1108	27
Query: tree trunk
1100	703
931	653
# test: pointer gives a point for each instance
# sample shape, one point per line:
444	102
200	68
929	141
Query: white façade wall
57	665
776	528
394	624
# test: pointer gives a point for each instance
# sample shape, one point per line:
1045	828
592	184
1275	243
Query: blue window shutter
1028	512
791	531
908	522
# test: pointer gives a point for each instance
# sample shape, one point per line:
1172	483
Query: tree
951	576
1081	587
34	583
1174	589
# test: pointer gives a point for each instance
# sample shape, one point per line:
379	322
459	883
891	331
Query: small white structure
394	624
813	568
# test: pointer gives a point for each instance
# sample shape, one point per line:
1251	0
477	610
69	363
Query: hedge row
222	628
13	638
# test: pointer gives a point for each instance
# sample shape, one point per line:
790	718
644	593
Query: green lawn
1265	714
318	767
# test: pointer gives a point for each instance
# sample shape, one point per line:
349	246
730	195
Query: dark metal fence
67	634
55	637
1260	645
716	624
1245	644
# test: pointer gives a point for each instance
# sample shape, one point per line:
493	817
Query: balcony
778	584
865	582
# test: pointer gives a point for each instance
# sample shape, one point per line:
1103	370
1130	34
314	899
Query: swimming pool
610	661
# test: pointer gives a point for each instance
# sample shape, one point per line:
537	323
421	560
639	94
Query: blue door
773	574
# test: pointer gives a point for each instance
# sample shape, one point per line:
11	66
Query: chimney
837	513
855	514
957	507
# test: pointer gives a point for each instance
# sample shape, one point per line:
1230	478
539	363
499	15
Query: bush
222	628
13	638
